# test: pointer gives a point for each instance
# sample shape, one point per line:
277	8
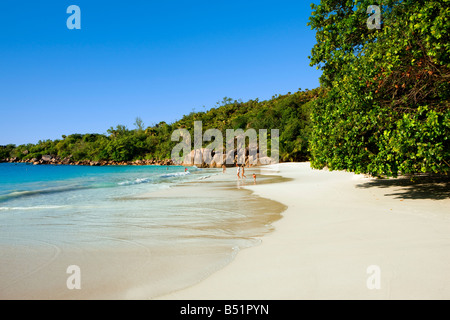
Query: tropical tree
384	108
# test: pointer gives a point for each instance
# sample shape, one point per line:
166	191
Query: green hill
382	107
289	113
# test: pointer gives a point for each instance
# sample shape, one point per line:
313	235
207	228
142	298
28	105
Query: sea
134	231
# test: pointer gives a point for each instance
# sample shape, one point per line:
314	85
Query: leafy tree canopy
385	107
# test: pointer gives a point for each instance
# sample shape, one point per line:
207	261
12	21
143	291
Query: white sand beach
337	225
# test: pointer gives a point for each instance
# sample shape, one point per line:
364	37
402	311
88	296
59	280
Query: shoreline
127	268
337	227
51	160
103	163
325	230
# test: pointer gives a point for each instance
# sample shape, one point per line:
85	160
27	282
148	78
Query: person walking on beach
243	175
254	178
224	168
238	171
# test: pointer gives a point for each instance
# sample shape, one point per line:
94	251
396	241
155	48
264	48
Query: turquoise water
68	204
175	227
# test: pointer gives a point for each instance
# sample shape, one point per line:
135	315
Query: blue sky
157	60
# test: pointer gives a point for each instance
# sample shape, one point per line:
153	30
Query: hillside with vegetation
382	107
289	113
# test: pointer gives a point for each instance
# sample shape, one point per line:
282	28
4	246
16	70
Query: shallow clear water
178	226
68	204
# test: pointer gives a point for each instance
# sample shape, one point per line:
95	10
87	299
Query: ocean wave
137	181
31	208
174	175
30	193
153	179
96	185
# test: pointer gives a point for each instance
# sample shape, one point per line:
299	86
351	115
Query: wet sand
343	236
130	268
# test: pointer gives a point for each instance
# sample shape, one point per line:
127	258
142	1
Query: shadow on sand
423	186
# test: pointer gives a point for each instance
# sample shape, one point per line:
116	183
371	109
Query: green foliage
384	107
5	151
289	113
